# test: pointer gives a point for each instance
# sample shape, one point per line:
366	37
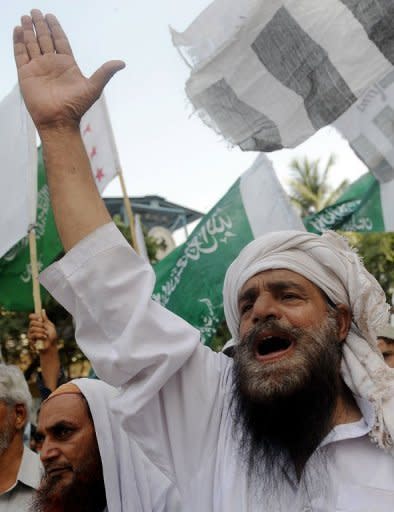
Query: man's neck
10	461
346	409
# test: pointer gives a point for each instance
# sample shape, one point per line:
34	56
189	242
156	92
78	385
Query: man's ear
344	320
20	416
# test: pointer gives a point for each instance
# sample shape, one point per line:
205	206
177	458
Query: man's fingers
43	34
30	39
35	316
59	37
20	51
37	324
35	333
101	77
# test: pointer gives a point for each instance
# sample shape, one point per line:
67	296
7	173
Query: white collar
355	429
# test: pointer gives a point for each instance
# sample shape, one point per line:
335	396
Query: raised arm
41	328
57	95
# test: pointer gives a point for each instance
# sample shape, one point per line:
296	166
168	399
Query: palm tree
310	191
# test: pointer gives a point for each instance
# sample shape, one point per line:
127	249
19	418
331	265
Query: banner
190	279
15	268
365	206
267	75
18	174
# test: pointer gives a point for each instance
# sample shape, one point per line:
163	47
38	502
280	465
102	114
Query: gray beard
282	410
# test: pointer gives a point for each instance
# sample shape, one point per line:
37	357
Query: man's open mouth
273	346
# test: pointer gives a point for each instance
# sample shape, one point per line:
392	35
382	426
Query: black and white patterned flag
267	74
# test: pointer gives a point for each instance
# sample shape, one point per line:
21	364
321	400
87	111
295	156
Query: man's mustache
52	468
274	328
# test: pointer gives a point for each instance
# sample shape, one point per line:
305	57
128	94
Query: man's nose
266	307
49	450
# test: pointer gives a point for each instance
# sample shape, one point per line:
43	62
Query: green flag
190	279
365	206
15	268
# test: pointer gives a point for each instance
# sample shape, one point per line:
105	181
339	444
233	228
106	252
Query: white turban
329	263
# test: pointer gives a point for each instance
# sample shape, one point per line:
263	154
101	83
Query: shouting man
285	426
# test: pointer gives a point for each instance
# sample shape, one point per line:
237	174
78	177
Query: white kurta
175	399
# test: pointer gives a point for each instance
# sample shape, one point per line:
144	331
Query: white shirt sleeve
173	388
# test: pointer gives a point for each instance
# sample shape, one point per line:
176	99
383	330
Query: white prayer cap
329	263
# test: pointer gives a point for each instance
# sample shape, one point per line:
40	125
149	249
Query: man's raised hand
54	89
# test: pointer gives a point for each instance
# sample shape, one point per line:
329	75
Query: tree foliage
310	190
377	253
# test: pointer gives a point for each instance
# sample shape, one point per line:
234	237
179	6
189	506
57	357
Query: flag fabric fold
267	75
366	206
18	153
190	279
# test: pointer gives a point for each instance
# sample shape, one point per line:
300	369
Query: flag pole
39	344
129	211
126	199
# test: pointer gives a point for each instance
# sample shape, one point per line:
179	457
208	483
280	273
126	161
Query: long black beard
281	420
80	495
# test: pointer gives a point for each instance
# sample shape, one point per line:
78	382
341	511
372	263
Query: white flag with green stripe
190	279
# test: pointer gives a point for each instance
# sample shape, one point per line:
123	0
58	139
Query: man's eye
63	432
246	307
290	296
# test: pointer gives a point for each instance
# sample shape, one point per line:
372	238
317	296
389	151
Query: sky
164	149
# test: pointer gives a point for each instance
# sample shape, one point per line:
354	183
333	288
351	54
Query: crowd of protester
285	423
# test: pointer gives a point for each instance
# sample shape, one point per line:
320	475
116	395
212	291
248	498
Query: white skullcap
329	263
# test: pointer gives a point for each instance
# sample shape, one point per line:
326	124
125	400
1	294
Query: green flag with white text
189	280
366	206
15	269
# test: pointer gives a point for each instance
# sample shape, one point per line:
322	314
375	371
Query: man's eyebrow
58	424
285	285
248	294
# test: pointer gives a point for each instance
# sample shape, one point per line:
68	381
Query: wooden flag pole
129	212
39	345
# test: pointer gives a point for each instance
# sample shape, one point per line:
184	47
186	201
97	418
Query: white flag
100	144
268	74
18	154
369	127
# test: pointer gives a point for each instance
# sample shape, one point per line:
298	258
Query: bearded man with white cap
302	419
90	463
